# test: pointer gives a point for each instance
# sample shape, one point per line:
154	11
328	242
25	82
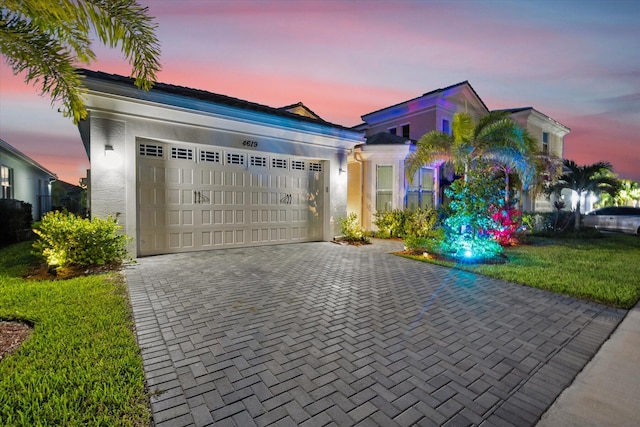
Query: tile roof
433	92
386	138
209	97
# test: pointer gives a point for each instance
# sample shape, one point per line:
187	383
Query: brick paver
320	334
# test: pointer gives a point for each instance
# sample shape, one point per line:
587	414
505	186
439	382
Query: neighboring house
185	170
24	179
550	135
377	178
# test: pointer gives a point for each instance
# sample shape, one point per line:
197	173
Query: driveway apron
318	334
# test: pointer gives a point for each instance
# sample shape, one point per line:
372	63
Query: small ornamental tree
470	224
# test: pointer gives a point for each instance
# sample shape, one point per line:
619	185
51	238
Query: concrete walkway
607	391
321	334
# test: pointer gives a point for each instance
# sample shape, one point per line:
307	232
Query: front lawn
604	270
81	365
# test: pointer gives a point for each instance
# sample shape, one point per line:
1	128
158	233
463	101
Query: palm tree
628	194
48	39
583	180
496	139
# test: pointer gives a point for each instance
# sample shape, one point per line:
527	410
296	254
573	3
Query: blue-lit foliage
467	227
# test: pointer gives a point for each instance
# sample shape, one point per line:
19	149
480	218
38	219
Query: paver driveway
323	334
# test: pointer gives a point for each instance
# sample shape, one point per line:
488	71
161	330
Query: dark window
405	131
446	126
545	142
6	181
393	131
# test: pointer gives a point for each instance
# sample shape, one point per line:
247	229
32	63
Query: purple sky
575	61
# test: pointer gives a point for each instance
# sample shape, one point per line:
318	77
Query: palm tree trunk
576	225
506	190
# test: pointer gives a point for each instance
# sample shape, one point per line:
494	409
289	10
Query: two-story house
377	180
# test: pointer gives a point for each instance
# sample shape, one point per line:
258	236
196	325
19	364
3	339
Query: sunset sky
575	61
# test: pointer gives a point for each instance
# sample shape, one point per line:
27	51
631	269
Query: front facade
377	178
185	170
24	179
550	135
379	165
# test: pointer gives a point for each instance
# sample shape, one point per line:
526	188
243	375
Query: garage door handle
197	197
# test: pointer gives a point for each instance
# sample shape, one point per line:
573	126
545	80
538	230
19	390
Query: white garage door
200	197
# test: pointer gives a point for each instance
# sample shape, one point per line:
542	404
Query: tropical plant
47	39
469	225
628	194
496	139
351	229
583	180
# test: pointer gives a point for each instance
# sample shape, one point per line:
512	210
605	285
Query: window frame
384	191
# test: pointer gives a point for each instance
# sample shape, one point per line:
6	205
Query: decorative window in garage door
315	167
259	161
235	159
297	165
151	150
209	156
181	153
278	163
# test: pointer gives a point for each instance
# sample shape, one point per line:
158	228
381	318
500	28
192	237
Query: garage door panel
186	204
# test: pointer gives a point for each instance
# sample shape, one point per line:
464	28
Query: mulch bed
12	335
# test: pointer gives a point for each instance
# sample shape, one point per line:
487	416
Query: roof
521	109
301	109
386	138
210	97
432	93
25	158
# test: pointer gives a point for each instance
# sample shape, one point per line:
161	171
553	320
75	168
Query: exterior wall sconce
108	147
341	171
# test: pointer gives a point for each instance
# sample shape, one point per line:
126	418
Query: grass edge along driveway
605	269
81	365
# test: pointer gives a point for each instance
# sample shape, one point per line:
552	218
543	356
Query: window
235	159
210	156
545	142
181	153
420	191
405	131
278	163
259	161
150	150
315	167
297	165
6	181
446	126
393	131
384	188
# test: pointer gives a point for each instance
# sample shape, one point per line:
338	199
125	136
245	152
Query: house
24	179
184	169
376	169
550	135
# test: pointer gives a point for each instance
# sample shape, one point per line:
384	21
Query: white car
614	218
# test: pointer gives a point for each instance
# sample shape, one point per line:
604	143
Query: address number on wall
249	143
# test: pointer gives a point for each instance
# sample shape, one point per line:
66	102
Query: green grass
81	365
604	270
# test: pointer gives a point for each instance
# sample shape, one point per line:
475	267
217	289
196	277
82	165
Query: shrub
66	240
351	229
469	221
16	220
509	221
391	223
421	222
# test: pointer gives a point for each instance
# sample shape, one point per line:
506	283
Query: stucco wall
113	172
